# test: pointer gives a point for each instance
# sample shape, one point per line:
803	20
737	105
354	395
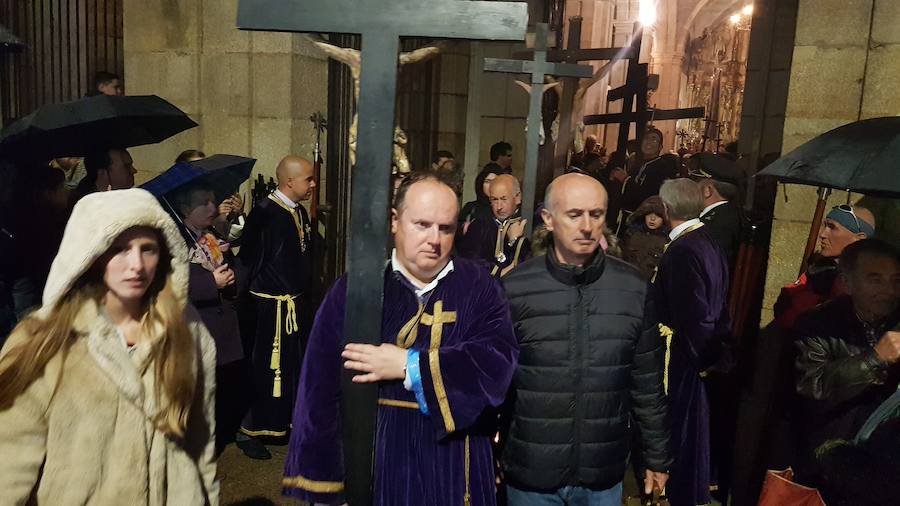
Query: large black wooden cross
381	24
574	53
538	68
633	94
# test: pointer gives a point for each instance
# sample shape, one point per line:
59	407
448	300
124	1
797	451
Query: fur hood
96	221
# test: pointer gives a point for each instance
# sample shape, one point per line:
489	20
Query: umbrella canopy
223	174
91	124
863	157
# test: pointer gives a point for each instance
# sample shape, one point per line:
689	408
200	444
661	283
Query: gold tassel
276	384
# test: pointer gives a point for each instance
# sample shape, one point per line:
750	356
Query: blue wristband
415	377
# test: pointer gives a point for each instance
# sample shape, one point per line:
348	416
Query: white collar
282	197
677	231
421	290
712	206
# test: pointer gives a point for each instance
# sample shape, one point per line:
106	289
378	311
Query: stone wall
845	66
251	92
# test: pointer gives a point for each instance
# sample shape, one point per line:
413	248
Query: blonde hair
172	358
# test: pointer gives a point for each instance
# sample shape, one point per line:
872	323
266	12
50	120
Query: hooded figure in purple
447	356
690	292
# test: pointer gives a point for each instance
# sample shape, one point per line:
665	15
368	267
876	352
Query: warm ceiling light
647	12
735	19
747	10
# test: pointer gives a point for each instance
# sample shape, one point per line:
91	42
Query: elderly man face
575	213
874	285
834	237
423	225
505	195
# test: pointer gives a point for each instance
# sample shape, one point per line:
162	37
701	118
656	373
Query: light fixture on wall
647	12
742	18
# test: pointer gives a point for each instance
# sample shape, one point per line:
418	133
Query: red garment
812	289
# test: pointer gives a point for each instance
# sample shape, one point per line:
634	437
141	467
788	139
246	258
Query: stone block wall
251	92
845	68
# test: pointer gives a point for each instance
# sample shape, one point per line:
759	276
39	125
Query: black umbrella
222	174
91	124
862	157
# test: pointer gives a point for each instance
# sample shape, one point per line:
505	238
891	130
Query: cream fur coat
82	433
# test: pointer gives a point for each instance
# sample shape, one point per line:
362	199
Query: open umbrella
859	157
91	124
222	174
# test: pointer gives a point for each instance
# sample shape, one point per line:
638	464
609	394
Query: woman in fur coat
106	392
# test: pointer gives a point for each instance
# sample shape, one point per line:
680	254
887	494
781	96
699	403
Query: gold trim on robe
398	404
319	487
434	362
270	433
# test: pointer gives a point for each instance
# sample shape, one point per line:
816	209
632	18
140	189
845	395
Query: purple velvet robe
691	291
466	366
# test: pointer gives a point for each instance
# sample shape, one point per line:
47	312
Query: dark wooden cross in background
381	24
539	67
574	53
633	95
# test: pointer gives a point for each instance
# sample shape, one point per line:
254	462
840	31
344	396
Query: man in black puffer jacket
590	356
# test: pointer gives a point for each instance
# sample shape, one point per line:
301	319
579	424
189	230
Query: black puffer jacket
590	354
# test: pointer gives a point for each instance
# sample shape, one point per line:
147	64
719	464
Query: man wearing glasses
843	226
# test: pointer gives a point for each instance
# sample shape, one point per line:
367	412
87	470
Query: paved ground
248	482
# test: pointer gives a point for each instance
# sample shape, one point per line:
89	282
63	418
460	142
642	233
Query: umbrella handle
814	227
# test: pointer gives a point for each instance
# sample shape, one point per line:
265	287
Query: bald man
591	359
500	243
276	249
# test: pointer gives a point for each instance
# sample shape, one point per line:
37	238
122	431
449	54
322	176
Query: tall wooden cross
538	68
633	94
574	53
381	24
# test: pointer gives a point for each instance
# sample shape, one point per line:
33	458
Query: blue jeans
566	496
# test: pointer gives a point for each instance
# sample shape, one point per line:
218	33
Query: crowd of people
148	333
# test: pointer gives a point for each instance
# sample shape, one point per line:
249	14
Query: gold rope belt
290	326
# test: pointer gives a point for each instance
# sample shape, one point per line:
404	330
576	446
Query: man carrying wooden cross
446	359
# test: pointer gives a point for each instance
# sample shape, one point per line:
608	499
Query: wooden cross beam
633	94
381	24
539	67
646	116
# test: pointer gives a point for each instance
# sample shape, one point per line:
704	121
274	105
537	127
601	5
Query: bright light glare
735	19
647	12
747	10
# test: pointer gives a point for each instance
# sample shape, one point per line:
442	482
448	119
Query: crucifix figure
539	68
351	58
381	24
573	91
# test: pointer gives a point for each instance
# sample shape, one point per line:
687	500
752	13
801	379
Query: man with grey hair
690	292
500	243
590	367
